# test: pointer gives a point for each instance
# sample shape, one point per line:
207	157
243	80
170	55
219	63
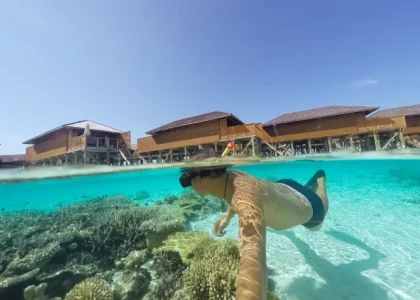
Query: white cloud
366	81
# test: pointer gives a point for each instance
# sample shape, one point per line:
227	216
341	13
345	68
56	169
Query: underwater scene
140	235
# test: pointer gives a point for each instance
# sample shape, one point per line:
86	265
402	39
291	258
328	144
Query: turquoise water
368	247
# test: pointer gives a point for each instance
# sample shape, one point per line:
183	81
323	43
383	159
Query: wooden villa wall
349	124
413	124
380	124
196	134
318	128
200	134
51	145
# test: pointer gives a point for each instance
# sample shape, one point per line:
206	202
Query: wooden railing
102	142
382	124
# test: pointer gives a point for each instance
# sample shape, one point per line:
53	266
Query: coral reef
213	270
141	195
33	292
182	242
194	206
210	266
166	271
91	289
78	241
131	281
112	247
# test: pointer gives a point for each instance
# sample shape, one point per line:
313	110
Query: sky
136	65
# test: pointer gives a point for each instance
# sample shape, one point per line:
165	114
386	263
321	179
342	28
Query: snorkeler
259	203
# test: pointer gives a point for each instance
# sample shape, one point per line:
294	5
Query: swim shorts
318	209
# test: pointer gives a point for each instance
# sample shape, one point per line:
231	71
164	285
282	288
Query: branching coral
91	289
14	280
213	270
37	258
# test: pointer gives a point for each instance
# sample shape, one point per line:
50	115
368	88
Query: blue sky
135	65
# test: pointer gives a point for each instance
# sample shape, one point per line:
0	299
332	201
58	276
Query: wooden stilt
309	146
351	142
234	148
292	147
171	156
402	140
85	157
253	145
329	144
185	152
377	142
160	157
107	157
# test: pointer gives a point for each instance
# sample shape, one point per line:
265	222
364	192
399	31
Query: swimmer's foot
318	184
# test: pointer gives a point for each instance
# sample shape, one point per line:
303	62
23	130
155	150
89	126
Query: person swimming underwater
259	204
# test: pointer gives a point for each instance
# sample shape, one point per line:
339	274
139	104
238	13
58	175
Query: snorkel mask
189	174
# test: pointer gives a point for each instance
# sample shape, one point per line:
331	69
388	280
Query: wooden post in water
253	145
377	142
402	140
85	157
309	146
292	147
329	144
351	142
107	156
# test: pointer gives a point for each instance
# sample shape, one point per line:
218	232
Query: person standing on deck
279	205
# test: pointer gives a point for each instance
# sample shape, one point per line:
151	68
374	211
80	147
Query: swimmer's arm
221	224
252	276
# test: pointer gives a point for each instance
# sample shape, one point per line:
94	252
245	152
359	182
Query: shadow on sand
343	281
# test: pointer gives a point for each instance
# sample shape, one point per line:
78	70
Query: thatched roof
317	113
195	120
94	126
397	112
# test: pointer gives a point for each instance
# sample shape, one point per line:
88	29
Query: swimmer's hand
220	225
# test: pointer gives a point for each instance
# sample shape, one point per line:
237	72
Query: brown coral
91	289
213	270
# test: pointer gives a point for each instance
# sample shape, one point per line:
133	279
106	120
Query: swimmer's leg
318	185
221	224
